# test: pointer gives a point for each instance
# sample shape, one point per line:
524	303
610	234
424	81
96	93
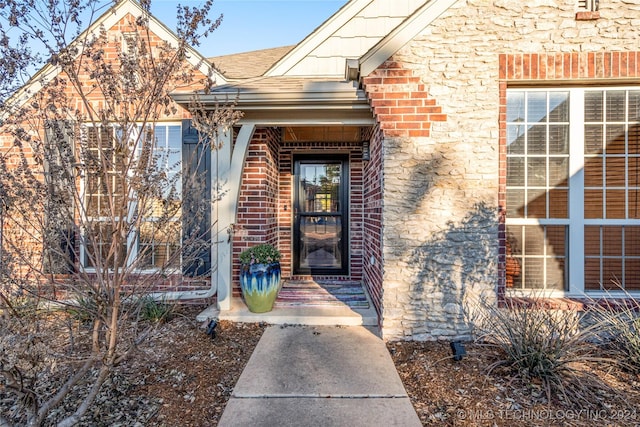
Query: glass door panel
320	216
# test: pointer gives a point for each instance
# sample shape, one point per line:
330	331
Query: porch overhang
280	102
267	102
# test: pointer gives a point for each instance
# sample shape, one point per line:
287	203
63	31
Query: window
573	184
110	197
612	188
538	186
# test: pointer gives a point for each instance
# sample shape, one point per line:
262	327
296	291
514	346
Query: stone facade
441	208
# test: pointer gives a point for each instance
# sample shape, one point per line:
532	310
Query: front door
320	215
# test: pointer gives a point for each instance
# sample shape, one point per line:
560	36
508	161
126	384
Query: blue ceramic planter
260	284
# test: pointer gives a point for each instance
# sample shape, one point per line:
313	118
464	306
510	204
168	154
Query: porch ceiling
281	101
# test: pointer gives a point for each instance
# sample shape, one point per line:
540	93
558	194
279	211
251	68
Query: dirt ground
183	377
449	393
443	391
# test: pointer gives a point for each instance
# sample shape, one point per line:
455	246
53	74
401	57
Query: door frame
345	186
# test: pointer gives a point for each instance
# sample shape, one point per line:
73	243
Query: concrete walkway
319	376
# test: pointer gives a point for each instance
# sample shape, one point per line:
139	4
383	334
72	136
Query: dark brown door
321	215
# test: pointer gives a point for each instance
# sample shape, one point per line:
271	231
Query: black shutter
196	210
59	232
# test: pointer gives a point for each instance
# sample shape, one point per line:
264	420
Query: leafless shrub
85	192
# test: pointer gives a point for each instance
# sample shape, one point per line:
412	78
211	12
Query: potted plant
260	277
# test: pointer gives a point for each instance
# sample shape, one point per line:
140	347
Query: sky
254	24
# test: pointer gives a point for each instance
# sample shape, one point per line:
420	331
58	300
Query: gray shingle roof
248	64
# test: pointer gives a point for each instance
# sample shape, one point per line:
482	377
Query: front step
300	315
327	303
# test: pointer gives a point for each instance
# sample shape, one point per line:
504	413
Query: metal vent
590	5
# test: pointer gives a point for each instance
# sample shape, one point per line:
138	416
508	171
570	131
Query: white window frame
575	221
133	240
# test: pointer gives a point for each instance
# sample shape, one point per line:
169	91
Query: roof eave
290	108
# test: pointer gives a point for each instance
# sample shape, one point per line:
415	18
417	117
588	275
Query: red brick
502	66
438	117
395	81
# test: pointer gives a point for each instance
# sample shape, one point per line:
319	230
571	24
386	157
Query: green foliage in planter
263	253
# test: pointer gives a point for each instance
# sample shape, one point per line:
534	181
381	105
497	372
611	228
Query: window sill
587	15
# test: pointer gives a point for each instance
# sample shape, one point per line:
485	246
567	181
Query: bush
536	342
152	310
619	330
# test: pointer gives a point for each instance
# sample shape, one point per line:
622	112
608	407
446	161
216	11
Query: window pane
515	203
556	274
616	139
612	273
615	105
536	203
593	106
632	274
515	171
556	240
592	278
634	106
593	137
559	139
515	139
593	204
536	171
633	203
537	139
534	273
559	172
559	106
558	204
534	243
634	139
536	107
515	106
615	172
615	204
612	241
593	172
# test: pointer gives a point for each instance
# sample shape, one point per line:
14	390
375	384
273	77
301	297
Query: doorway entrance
320	229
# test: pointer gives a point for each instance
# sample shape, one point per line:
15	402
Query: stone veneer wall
440	208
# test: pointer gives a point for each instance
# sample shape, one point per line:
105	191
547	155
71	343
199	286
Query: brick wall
400	101
265	204
372	223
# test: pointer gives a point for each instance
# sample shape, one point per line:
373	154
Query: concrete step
299	315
